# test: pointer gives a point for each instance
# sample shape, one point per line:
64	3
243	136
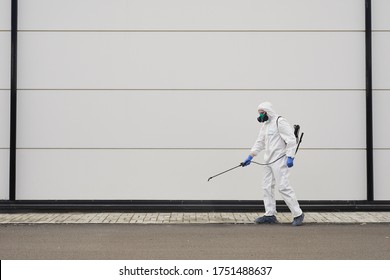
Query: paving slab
188	218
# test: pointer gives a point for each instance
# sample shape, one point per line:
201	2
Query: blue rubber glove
290	162
247	161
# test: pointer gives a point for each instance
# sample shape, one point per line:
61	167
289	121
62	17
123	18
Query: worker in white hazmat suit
278	141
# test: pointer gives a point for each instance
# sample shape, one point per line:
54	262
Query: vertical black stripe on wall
369	113
13	92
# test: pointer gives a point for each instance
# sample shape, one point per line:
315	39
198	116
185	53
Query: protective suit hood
267	107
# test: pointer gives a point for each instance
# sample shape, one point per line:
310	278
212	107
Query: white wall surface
147	99
381	96
381	174
4	173
381	60
191	60
5	27
180	174
191	15
5	59
5	42
381	102
4	118
182	119
4	143
380	15
5	15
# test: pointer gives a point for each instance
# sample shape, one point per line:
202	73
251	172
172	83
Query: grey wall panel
380	15
4	118
183	119
4	143
4	173
5	59
330	175
381	103
180	174
381	97
5	26
381	60
191	14
5	15
191	60
117	113
381	173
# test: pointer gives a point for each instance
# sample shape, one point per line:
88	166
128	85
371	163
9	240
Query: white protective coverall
276	140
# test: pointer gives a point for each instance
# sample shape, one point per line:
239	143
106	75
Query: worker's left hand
290	162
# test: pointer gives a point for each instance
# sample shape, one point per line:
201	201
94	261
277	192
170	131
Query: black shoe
266	220
298	220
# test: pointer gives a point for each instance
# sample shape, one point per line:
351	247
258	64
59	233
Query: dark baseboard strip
182	206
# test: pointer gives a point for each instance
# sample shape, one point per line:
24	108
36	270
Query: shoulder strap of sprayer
296	133
277	122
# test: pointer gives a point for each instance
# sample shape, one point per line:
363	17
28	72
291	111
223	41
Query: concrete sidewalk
188	218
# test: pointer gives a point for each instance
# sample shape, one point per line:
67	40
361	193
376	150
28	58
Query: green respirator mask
263	117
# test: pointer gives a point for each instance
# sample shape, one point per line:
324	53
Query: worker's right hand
247	161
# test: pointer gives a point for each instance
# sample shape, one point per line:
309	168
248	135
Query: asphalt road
186	242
